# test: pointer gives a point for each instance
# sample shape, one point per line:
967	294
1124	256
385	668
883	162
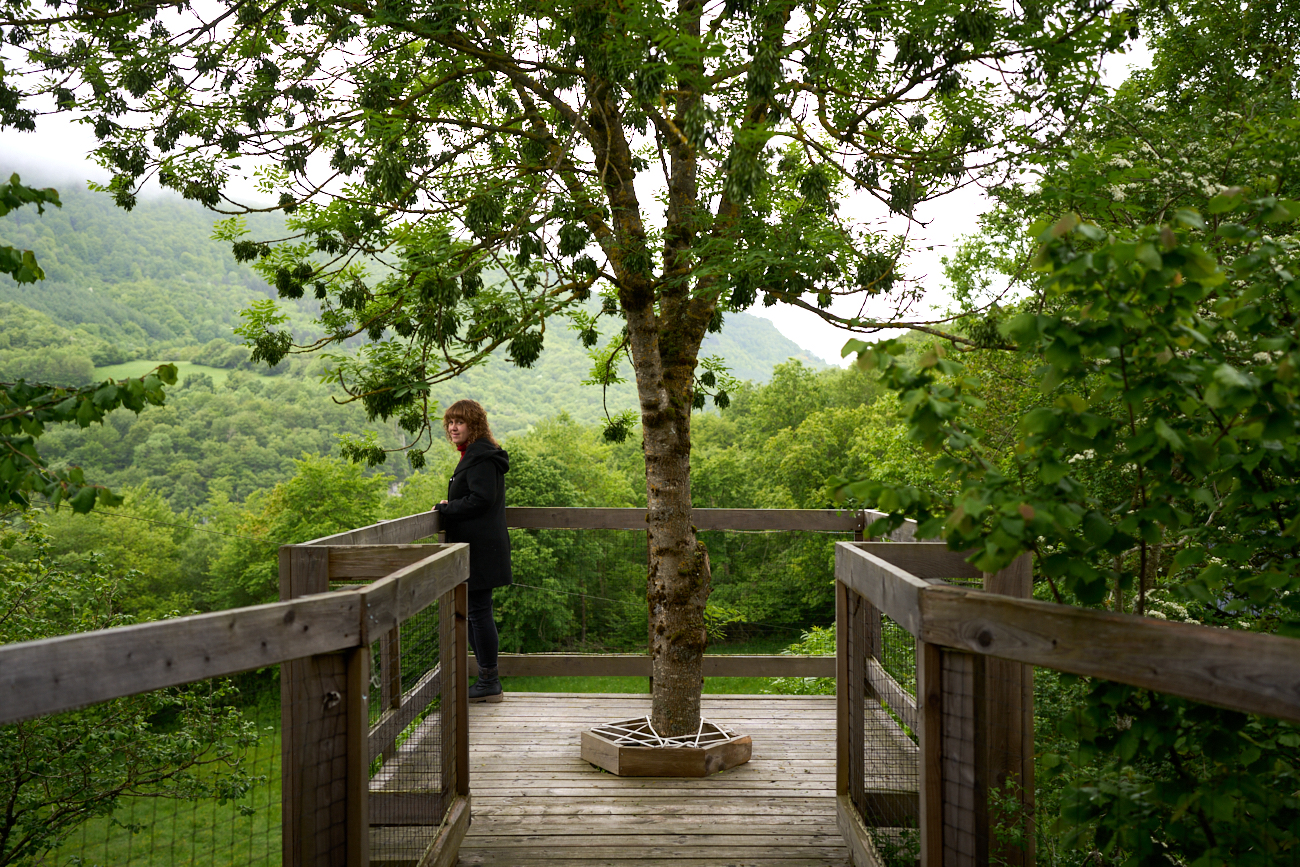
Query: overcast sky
56	154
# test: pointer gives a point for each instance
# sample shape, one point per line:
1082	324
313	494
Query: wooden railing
722	665
403	531
971	714
322	643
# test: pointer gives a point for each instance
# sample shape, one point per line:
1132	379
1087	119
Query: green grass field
712	685
132	369
174	832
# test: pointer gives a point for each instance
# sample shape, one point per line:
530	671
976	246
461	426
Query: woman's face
458	430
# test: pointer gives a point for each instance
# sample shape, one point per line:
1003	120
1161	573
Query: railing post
462	690
357	750
929	700
324	711
842	628
390	679
874	638
1009	724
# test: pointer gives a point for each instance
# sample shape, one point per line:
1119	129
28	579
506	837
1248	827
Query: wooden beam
425	525
317	818
575	519
357	796
390	669
925	560
57	674
814	520
856	834
842	617
412	528
1242	671
811	520
856	687
638	665
371	562
459	681
1009	721
393	722
891	589
450	664
930	711
884	688
906	532
444	851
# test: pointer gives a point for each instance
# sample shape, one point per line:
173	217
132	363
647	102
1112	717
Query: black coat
475	512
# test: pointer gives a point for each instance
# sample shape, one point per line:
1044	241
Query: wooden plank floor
536	802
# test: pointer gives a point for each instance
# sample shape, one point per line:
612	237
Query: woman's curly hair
472	413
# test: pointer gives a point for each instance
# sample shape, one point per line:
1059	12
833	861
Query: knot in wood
332	699
985	638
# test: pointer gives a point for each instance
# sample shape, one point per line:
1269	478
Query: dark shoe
487	687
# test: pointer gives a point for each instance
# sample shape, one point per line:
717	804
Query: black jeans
482	629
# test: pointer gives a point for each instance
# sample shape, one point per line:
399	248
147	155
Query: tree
325	496
1153	463
457	176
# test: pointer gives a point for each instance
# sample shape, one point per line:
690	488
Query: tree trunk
666	321
678	585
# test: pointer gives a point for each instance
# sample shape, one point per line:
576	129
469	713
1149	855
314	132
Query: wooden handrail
425	525
814	520
639	665
890	588
70	671
1244	671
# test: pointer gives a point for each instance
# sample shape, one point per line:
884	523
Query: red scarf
460	447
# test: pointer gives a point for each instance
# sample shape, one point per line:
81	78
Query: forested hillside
127	290
238	460
152	282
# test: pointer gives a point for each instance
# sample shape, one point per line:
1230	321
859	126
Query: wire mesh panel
962	760
882	751
408	789
183	775
891	772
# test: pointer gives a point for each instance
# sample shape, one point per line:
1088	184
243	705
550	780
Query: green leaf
82	501
1229	200
1096	529
1168	434
1041	421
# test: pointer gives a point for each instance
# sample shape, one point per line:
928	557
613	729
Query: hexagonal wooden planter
631	748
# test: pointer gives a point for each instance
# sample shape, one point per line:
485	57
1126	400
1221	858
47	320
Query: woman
475	512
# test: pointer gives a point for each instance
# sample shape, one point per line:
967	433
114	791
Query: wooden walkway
536	802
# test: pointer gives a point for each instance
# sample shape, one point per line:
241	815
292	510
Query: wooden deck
536	802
